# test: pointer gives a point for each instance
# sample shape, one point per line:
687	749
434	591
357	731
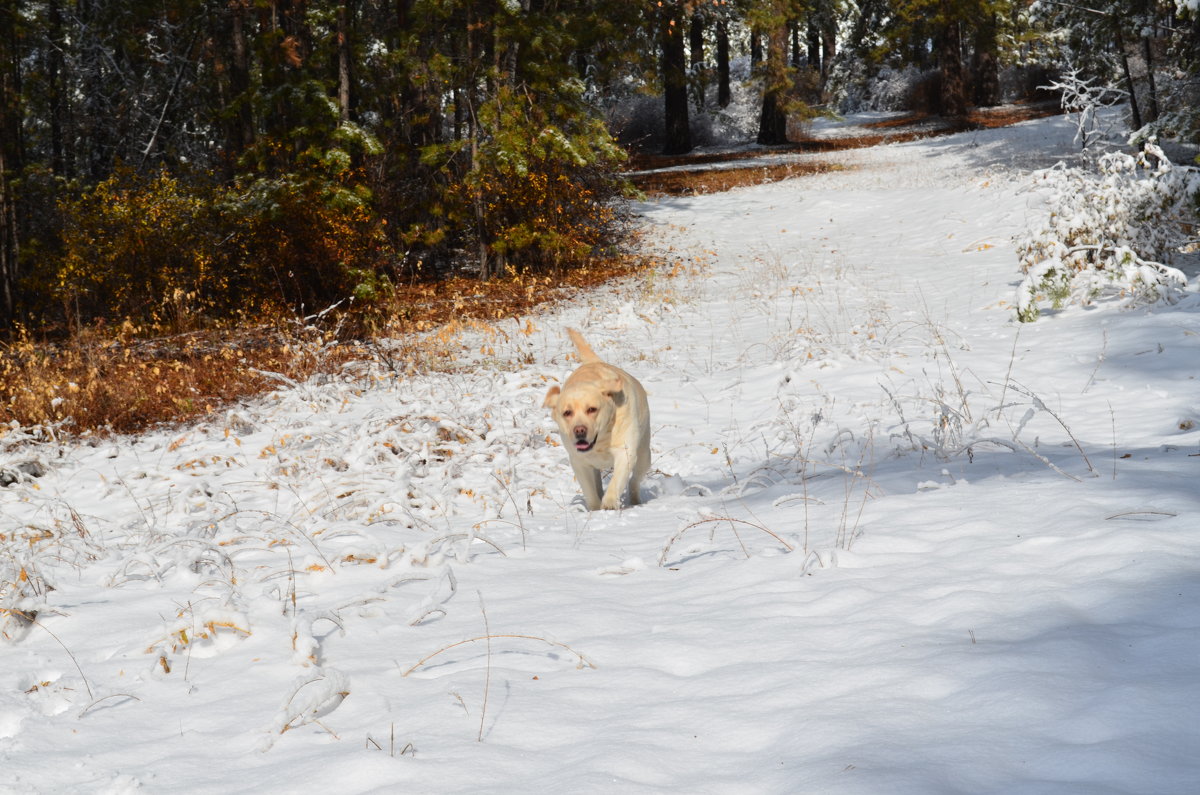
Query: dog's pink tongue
583	445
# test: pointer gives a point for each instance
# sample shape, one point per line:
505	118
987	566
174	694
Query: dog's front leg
622	469
640	465
589	483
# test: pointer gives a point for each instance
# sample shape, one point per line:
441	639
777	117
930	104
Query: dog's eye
592	410
567	414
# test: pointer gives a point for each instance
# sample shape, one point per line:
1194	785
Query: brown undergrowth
678	183
105	380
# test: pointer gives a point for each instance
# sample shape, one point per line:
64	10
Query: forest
184	164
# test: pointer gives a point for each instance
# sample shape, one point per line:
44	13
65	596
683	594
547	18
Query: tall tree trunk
217	52
954	89
1134	109
343	59
1151	86
58	94
481	221
92	92
10	248
814	45
986	63
674	70
696	58
772	122
828	46
724	95
241	131
11	156
420	113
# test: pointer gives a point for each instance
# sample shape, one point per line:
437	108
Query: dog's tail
586	354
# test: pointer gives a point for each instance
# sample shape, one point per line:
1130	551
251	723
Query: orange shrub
175	256
140	247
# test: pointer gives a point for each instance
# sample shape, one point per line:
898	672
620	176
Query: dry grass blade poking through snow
733	523
487	638
584	662
312	698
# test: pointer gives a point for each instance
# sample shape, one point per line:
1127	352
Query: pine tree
670	23
771	20
11	152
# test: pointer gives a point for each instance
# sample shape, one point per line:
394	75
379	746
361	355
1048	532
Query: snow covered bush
1112	231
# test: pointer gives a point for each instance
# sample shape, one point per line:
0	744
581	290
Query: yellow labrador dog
604	420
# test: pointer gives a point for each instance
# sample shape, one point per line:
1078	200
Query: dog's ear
613	388
551	398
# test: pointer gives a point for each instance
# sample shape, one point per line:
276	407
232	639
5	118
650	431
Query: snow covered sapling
1083	98
1113	231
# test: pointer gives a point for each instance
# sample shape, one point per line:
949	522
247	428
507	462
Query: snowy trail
893	542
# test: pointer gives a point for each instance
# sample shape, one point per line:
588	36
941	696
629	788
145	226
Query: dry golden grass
716	180
125	385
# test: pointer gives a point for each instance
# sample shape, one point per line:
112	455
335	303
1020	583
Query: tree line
179	161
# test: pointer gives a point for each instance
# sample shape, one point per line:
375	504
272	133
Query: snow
894	541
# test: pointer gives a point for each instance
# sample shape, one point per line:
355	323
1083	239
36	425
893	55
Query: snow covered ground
893	542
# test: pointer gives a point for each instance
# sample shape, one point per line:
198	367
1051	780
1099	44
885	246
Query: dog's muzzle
581	441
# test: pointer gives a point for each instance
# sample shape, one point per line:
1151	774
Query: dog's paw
580	505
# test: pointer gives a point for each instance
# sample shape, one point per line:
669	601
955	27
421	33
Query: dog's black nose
581	431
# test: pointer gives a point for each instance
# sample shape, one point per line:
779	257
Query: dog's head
584	411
